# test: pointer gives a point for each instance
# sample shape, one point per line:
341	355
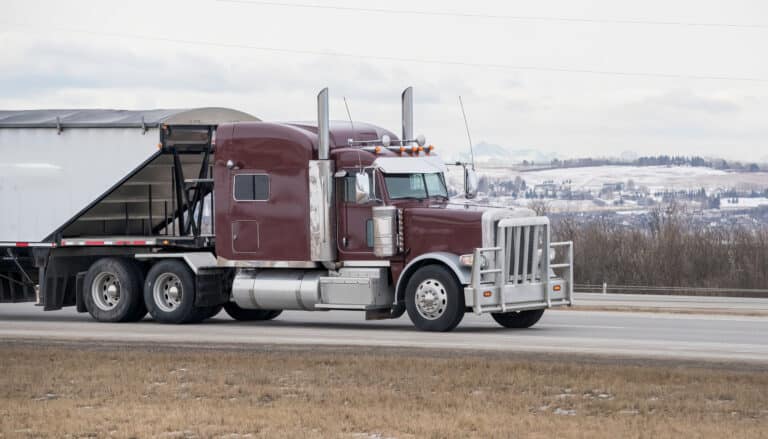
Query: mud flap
213	287
79	291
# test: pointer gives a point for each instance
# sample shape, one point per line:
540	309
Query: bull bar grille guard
517	274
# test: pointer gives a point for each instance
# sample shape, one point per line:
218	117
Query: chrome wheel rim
105	291
167	292
431	299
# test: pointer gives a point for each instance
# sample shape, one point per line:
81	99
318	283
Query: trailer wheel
112	291
169	293
434	299
249	315
518	319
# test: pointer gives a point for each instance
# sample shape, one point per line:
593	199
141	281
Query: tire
249	315
434	299
169	293
112	291
518	319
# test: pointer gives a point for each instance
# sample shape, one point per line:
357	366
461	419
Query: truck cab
367	217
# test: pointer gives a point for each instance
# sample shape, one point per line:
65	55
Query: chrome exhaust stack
323	126
321	217
407	114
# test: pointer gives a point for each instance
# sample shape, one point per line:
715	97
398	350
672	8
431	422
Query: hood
454	229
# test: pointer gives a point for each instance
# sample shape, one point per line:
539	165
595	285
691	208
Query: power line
495	16
427	61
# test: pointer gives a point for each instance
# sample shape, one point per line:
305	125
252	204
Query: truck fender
450	260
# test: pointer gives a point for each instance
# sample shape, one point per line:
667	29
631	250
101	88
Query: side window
349	186
349	189
251	187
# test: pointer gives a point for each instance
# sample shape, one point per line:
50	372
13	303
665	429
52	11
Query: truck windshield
417	186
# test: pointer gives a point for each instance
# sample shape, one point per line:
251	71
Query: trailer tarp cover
119	118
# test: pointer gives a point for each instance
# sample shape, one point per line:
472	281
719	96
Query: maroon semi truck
225	210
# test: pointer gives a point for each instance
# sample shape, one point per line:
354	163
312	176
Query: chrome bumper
517	274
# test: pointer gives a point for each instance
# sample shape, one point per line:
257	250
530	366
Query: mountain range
491	153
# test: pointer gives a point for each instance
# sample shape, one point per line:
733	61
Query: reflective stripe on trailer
27	244
88	242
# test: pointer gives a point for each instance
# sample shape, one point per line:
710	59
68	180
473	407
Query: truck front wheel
519	319
434	299
112	291
247	315
169	293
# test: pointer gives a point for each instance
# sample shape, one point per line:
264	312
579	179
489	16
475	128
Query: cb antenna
352	124
469	136
349	115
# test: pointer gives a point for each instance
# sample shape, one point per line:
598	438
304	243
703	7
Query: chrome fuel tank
277	289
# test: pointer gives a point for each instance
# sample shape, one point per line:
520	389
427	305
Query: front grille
523	248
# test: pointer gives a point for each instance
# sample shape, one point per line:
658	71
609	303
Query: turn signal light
430	148
377	149
402	149
487	294
557	287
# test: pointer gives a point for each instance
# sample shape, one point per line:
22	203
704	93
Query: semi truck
180	213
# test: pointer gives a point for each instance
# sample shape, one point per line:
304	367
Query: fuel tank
277	289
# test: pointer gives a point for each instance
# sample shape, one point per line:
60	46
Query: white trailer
98	174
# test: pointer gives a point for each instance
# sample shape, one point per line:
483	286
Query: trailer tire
169	293
434	299
112	291
518	319
250	315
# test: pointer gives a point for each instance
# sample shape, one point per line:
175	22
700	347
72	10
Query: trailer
180	213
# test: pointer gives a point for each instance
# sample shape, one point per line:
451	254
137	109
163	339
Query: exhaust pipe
407	113
322	243
323	126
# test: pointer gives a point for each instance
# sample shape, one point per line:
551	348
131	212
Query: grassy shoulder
140	392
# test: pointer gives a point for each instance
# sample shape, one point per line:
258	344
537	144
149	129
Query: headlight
469	260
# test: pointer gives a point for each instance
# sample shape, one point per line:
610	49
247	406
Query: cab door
355	225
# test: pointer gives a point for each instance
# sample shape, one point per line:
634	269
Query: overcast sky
150	54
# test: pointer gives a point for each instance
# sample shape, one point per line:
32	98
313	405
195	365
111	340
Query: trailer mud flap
79	298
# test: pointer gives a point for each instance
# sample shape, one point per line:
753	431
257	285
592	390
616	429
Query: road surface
632	334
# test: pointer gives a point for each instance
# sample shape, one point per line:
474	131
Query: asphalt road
630	334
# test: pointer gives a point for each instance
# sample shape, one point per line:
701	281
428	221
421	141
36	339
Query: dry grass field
102	391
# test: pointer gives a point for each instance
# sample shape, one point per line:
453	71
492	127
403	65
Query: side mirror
362	187
470	183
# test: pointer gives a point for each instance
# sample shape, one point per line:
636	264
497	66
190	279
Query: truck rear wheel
434	299
169	293
518	319
248	315
112	291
